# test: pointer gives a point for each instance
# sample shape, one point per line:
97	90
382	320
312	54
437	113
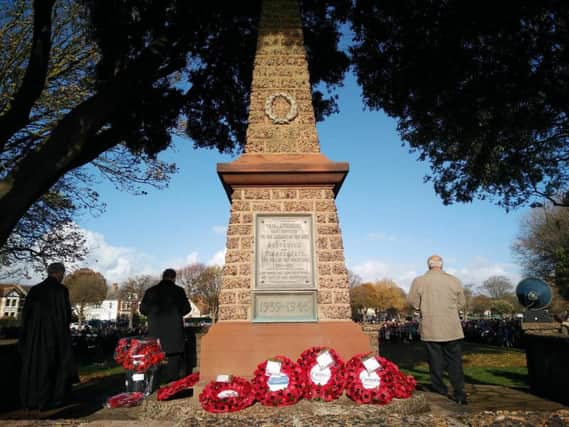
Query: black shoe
461	400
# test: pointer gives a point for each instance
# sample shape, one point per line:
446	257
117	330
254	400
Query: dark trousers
171	371
446	355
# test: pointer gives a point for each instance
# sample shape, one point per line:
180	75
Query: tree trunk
70	145
80	314
131	317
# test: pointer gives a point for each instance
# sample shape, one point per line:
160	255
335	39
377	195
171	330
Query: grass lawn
482	364
98	370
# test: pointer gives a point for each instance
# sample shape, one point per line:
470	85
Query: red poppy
230	396
125	399
166	392
324	373
281	388
380	384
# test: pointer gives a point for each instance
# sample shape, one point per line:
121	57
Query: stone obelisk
285	282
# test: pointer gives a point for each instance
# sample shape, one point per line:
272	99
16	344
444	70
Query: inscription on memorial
284	252
287	306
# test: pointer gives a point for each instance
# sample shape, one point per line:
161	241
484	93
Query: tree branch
33	83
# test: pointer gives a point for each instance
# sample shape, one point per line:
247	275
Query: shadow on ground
88	398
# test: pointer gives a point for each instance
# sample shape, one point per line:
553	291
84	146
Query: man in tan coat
439	296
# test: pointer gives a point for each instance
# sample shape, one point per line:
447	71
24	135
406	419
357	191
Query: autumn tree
542	246
132	291
85	287
362	297
390	297
480	304
497	287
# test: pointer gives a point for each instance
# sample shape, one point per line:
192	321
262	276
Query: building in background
12	300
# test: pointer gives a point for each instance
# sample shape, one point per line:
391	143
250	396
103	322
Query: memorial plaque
284	252
284	306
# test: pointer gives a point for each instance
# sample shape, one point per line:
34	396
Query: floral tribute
125	399
138	353
374	379
166	392
278	382
324	373
227	394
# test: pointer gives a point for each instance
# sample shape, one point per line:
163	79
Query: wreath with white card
278	382
324	373
368	379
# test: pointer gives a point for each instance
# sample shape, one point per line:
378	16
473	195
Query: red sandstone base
237	348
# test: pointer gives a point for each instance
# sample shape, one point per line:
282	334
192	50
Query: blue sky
391	221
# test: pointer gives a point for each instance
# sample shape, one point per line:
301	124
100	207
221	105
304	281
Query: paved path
488	406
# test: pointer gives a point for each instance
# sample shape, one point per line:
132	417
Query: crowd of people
498	332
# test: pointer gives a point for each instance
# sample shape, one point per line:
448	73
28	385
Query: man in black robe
165	305
48	365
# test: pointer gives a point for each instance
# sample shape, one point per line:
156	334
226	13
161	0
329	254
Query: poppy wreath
402	385
173	388
230	396
125	399
293	387
365	387
322	383
138	354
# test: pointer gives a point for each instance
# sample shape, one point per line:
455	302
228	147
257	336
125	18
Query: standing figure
165	305
48	365
439	296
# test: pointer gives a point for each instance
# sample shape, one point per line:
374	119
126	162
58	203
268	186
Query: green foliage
479	90
46	231
500	306
143	68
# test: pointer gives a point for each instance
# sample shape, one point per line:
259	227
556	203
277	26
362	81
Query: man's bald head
435	262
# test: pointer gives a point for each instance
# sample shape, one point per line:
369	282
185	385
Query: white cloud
192	258
381	237
372	270
115	263
218	258
479	269
219	229
474	271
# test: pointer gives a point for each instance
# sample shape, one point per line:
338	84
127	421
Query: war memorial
285	282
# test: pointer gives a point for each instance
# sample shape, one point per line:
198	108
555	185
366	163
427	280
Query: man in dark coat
48	365
165	305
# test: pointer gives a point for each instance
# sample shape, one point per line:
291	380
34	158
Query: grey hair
435	261
56	267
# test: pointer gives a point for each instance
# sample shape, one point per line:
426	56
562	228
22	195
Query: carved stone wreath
292	113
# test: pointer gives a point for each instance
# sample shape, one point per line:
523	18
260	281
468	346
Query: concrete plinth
238	347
